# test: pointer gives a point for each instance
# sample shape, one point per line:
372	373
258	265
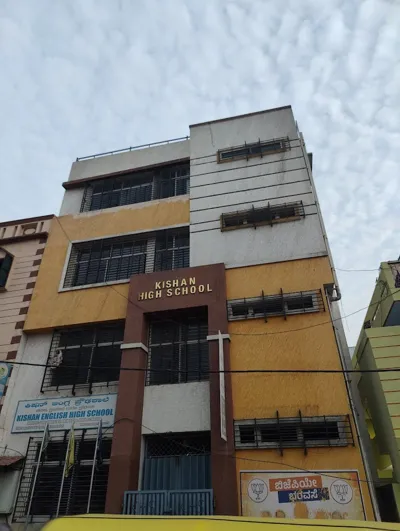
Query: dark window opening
255	149
113	259
178	348
75	490
320	431
84	356
268	215
297	432
275	305
393	318
5	268
136	187
247	434
172	250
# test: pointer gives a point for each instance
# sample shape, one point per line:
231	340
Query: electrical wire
236	457
230	371
257	333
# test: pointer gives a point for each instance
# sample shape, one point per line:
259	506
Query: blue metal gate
172	502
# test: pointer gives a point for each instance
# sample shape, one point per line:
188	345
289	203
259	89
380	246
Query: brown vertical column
202	286
127	435
223	463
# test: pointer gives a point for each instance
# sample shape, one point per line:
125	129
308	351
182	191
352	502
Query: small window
6	261
256	149
268	215
393	318
293	432
275	305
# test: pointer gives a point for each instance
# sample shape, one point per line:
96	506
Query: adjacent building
22	244
378	348
187	300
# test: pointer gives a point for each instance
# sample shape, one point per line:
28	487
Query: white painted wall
72	201
176	408
233	186
129	160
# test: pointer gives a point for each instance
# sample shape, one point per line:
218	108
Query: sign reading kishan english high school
174	288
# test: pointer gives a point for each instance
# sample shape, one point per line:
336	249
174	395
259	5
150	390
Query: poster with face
331	494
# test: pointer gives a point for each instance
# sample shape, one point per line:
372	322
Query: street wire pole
96	448
63	476
43	446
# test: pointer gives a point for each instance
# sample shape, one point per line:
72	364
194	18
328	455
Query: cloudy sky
84	76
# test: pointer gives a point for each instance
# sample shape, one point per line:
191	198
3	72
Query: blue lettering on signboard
289	496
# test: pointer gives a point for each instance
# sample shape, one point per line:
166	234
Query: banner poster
332	494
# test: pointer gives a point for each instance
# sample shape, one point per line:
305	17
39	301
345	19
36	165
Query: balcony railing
170	502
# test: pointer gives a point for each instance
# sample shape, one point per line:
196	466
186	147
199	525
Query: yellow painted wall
50	308
278	344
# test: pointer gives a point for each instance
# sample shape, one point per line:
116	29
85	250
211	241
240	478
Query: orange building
185	308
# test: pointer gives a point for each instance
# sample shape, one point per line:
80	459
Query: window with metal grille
176	444
172	250
132	188
82	356
178	348
113	259
256	149
75	491
6	261
303	432
275	305
268	215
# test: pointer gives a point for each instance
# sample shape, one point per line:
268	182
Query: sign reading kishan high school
172	288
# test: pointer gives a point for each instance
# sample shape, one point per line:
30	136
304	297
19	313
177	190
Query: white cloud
90	76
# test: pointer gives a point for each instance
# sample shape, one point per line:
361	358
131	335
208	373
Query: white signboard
61	413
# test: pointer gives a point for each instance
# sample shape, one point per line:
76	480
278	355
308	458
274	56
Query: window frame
31	464
70	265
50	372
150	180
262	302
247	151
344	428
181	357
271	213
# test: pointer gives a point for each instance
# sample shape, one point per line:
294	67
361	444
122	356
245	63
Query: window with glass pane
172	250
80	356
178	349
137	187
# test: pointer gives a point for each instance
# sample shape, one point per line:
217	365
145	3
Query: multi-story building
378	349
22	244
187	299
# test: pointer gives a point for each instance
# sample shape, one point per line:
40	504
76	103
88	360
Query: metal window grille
297	432
136	187
75	492
171	250
178	349
82	357
275	305
255	149
178	444
268	215
112	259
